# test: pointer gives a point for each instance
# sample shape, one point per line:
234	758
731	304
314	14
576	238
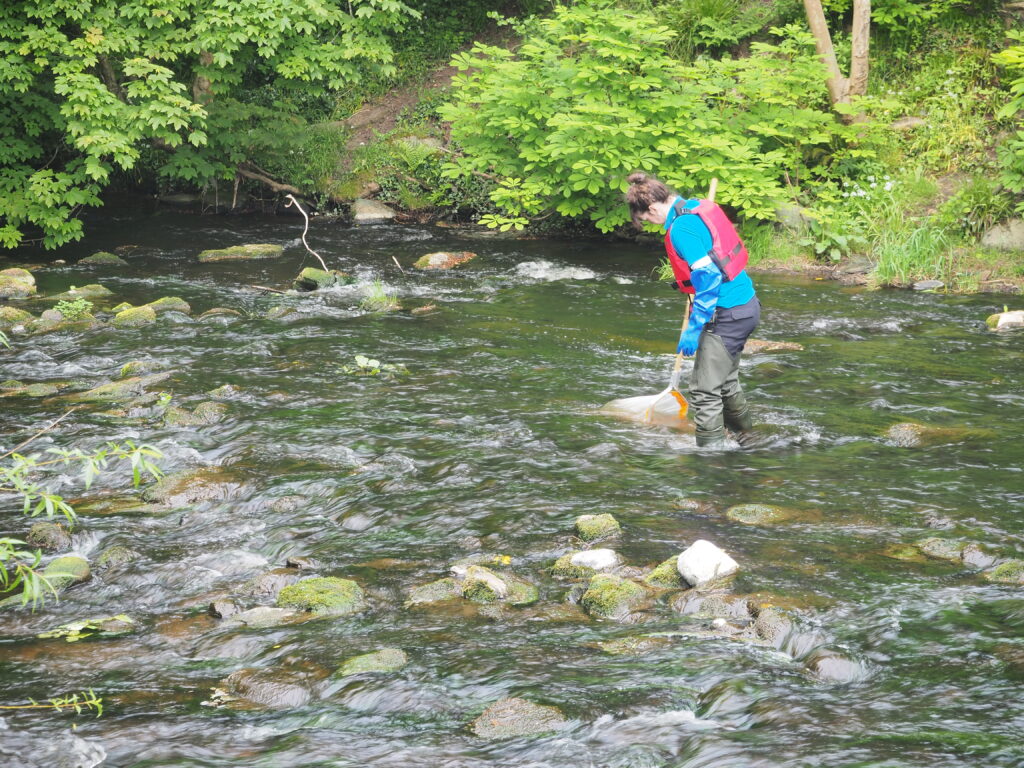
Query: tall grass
378	298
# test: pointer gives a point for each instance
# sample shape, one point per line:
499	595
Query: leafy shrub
975	207
74	310
1011	154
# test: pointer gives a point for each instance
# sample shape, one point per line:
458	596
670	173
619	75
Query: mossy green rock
170	304
92	292
138	368
324	595
49	537
122	307
521	592
16	284
633	646
204	414
666	576
759	514
12	316
103	259
385	660
313	279
109	626
116	555
942	549
515	717
565	568
481	585
1008	572
612	597
67	570
594	527
435	592
443	260
193	486
117	391
31	390
136	317
242	253
913	435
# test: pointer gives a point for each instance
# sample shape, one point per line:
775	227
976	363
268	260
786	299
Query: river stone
205	413
313	279
666	576
109	626
103	259
268	687
434	592
117	391
596	559
138	368
1006	321
975	556
49	537
116	555
634	646
942	549
220	312
11	316
136	317
593	527
384	660
913	435
269	584
711	606
703	562
514	717
1008	236
758	514
772	626
830	667
928	285
92	292
443	260
276	313
370	212
756	346
192	486
1007	572
481	585
16	284
64	571
521	592
261	617
247	252
612	597
324	595
31	390
170	304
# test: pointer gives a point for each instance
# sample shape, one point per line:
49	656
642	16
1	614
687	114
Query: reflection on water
491	443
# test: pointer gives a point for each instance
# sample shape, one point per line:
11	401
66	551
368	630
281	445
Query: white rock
1008	236
371	212
1005	320
703	562
492	580
598	559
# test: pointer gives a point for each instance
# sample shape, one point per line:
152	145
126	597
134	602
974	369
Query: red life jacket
727	250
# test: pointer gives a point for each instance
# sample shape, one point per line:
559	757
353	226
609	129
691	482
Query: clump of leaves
379	299
366	366
74	310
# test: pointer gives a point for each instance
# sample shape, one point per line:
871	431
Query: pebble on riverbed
515	717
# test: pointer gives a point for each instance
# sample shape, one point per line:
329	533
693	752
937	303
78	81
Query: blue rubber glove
689	340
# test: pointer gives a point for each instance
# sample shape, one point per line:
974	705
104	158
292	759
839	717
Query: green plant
86	700
74	310
1011	154
19	477
365	366
379	299
975	207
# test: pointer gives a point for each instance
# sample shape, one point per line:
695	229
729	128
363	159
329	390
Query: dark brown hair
644	191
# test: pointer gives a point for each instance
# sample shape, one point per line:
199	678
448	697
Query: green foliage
20	476
710	26
365	366
379	299
93	86
975	207
1011	154
79	702
74	310
592	95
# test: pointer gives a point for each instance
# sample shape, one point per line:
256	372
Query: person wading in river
725	307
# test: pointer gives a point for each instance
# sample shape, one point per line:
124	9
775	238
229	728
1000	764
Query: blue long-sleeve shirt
692	241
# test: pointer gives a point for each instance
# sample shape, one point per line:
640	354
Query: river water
491	444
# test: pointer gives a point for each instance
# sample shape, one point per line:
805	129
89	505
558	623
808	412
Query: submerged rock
913	435
593	527
267	687
138	368
92	292
276	313
830	667
103	259
16	284
773	626
630	646
67	570
193	486
136	317
249	252
117	391
324	595
759	514
31	390
1006	321
49	537
222	313
1007	572
203	415
942	549
435	592
170	304
384	660
116	555
703	562
370	212
261	617
271	583
612	597
313	279
514	717
110	626
443	260
755	346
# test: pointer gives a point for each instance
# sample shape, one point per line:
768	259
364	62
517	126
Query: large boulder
514	717
248	252
703	562
613	597
323	595
1008	236
370	212
1006	321
11	316
16	284
443	259
385	660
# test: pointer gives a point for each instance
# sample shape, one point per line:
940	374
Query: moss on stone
942	549
93	291
16	284
170	304
137	368
247	252
122	307
481	585
434	592
64	571
115	555
443	260
136	317
630	646
521	592
565	568
666	575
759	514
117	391
1007	572
103	259
204	414
12	316
594	527
384	660
905	552
323	595
516	717
313	279
48	536
612	597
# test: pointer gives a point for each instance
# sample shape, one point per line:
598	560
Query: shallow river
491	444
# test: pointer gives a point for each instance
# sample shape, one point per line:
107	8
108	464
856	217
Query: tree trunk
202	92
861	39
838	87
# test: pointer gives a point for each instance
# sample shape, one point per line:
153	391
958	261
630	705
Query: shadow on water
491	443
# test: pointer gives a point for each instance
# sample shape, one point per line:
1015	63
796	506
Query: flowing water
491	444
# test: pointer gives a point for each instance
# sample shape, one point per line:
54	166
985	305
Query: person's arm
707	280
